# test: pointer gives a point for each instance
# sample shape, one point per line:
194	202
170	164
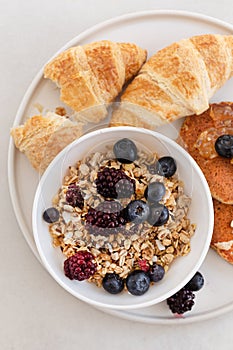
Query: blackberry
114	183
181	302
106	218
74	196
80	266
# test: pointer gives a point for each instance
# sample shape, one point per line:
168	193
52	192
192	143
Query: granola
122	250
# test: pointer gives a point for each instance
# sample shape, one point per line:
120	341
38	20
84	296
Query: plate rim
19	114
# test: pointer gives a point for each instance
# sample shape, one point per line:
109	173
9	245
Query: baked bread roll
94	74
41	138
177	81
198	135
222	239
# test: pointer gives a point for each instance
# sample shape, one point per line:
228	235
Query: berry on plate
74	196
114	183
80	266
156	273
113	283
224	146
51	215
158	215
196	283
125	151
137	211
155	191
166	166
181	302
138	282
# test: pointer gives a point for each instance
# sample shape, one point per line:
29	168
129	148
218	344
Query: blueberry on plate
51	215
137	211
138	282
156	273
158	215
125	151
155	191
224	146
166	166
113	283
196	283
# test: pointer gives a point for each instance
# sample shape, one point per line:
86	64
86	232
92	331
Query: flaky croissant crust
177	81
94	74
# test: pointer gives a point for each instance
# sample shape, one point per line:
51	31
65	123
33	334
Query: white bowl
201	213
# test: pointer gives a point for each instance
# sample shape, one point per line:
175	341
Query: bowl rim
75	143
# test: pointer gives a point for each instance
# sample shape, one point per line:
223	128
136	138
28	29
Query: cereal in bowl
122	218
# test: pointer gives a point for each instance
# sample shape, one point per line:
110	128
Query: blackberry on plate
156	273
74	196
51	215
158	215
137	211
125	151
80	266
114	183
181	302
196	282
113	283
106	218
224	146
138	282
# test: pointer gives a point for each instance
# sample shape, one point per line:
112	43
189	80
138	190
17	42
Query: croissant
41	138
177	81
94	74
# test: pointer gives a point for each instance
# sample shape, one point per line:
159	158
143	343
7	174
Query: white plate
151	30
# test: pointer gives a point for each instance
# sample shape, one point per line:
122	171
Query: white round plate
151	30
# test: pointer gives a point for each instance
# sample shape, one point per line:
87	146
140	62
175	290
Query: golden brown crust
180	79
94	74
222	239
218	170
41	138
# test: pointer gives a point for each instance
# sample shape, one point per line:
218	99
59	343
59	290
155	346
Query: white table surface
35	312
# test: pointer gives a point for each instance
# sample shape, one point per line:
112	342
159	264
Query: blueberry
155	191
137	211
51	215
138	282
224	146
196	283
156	273
158	215
125	151
166	166
113	283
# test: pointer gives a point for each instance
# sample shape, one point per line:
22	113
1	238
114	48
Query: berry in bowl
123	218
